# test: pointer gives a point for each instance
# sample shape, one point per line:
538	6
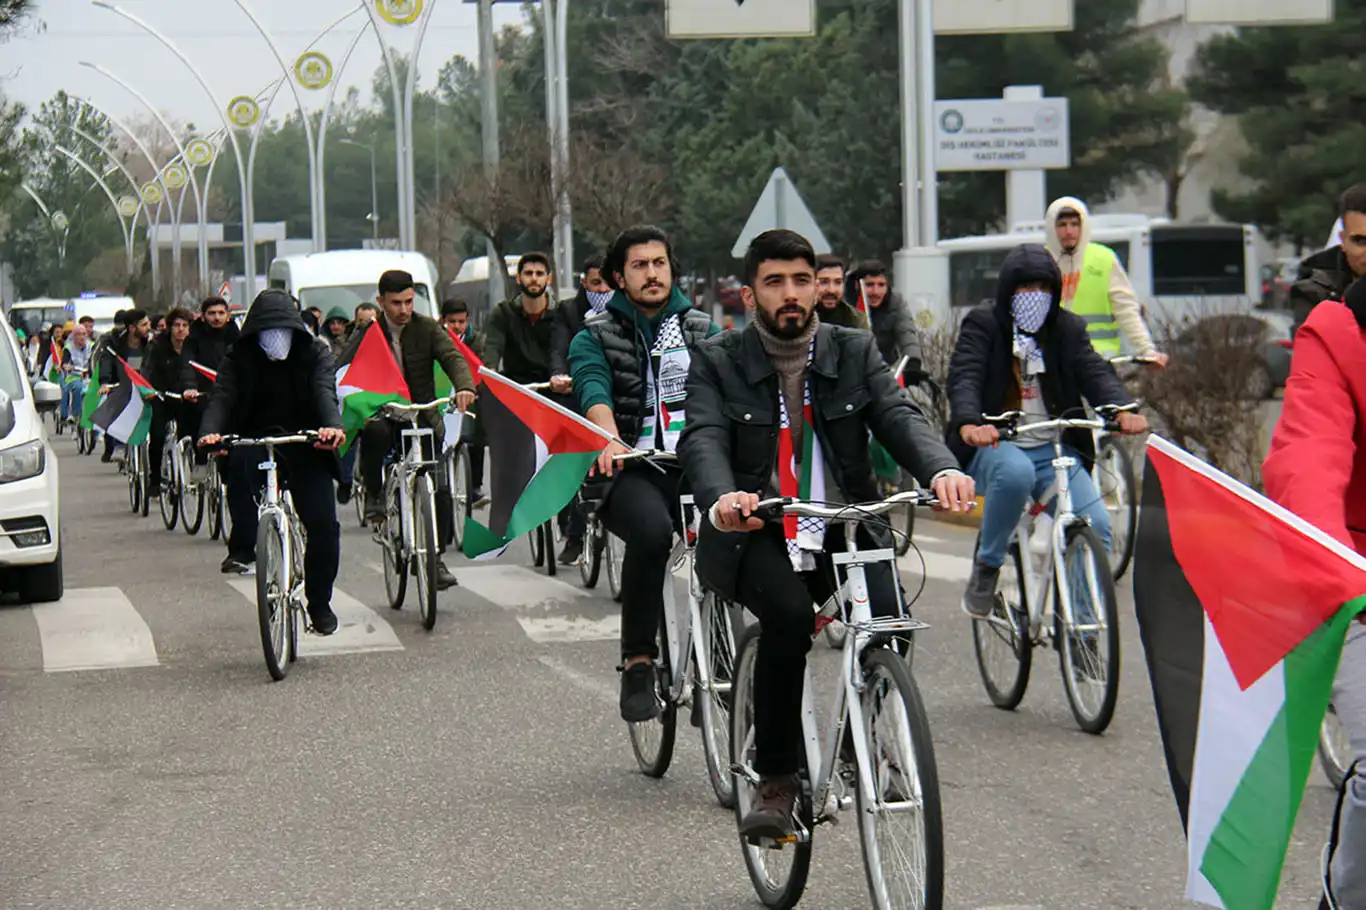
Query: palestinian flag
444	387
861	304
210	375
54	363
124	416
540	453
367	381
91	402
1242	608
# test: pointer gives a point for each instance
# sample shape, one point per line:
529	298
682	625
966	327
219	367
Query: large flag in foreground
368	380
540	453
125	415
1242	608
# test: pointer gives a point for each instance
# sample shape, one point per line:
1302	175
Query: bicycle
1074	566
408	533
173	473
280	542
1113	474
594	541
1335	749
456	462
135	460
695	664
875	691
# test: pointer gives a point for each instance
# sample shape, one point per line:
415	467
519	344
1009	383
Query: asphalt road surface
148	761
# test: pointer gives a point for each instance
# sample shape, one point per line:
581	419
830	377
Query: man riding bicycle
277	379
419	344
630	367
751	435
130	345
77	359
167	368
1024	352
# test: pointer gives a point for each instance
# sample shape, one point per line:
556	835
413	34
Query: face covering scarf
1030	309
597	301
277	342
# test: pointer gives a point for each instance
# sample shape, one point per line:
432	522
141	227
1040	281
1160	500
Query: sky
224	45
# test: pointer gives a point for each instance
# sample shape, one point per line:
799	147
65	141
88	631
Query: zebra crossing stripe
548	610
359	628
93	629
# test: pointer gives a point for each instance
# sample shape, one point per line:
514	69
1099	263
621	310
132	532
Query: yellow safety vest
1092	300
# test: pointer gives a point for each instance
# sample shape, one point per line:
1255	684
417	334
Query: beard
534	292
783	324
829	301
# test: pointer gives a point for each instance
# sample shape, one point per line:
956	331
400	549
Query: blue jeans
72	393
1010	478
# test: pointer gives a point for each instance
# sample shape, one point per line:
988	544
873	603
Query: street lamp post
497	279
113	200
373	217
323	124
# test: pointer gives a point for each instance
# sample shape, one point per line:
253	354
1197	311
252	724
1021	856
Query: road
482	765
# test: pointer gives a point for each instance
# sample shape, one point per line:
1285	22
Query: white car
30	532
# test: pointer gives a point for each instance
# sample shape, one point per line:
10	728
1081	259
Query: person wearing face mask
1025	352
279	379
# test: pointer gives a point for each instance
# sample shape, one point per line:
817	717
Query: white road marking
360	629
939	566
544	607
93	629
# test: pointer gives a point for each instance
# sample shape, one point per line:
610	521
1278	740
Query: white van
101	308
346	278
33	316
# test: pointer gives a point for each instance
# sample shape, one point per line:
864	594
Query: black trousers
642	510
785	602
380	437
186	416
310	486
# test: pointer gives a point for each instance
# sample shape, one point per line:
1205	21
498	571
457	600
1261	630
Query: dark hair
85	319
1353	200
454	306
830	261
781	245
615	259
310	319
395	282
870	267
211	302
120	316
133	317
592	262
534	258
365	305
156	317
179	313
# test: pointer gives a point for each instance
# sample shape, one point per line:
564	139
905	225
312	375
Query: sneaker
444	578
106	457
323	619
980	597
771	815
153	490
343	494
639	702
234	566
374	509
573	549
477	499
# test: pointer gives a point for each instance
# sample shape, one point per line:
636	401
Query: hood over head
1051	223
1026	263
274	309
337	312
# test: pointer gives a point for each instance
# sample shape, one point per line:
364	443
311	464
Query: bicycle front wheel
715	644
1335	749
614	551
142	480
391	542
424	549
652	741
1088	651
552	564
213	501
900	822
169	500
460	494
1002	641
134	479
777	871
1114	478
590	561
272	594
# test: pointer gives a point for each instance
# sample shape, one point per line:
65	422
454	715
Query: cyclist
1094	285
418	343
334	330
745	415
630	366
833	308
1317	469
517	343
76	360
211	336
890	317
1024	352
455	316
129	344
168	370
279	379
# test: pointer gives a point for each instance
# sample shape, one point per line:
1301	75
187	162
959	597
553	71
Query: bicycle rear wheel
716	645
191	500
590	561
652	741
1002	642
391	543
537	542
900	824
1114	479
424	549
614	551
460	494
134	479
142	479
169	500
1088	651
272	594
214	501
1335	749
552	564
778	872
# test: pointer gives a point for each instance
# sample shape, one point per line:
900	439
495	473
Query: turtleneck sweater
790	358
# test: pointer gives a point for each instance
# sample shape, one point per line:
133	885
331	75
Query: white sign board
741	18
995	135
779	206
1258	12
980	17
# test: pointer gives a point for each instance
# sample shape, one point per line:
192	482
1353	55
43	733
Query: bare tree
613	187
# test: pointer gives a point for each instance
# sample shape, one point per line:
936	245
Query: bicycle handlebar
772	509
303	436
1008	423
646	455
398	408
1133	358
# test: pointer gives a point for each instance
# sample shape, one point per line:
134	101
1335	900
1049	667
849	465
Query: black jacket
730	441
568	322
425	343
1323	276
110	368
208	346
257	395
166	370
517	347
983	372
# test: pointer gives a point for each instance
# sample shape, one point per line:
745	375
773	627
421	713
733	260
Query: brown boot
770	816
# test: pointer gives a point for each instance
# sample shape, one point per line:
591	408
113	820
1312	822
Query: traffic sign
779	206
980	17
225	291
741	18
996	135
1258	12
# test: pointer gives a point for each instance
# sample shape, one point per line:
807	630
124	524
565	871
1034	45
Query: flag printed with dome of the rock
666	396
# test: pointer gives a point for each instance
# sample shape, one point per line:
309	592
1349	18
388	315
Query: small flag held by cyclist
124	415
1243	609
543	453
367	381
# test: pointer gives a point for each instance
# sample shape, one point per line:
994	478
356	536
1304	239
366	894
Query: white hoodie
1123	301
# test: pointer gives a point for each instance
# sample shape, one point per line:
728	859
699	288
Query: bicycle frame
275	502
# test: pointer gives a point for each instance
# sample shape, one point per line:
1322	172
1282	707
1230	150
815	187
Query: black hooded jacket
1322	276
256	395
984	373
208	346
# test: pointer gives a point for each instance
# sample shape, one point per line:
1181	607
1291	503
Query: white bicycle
1062	597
